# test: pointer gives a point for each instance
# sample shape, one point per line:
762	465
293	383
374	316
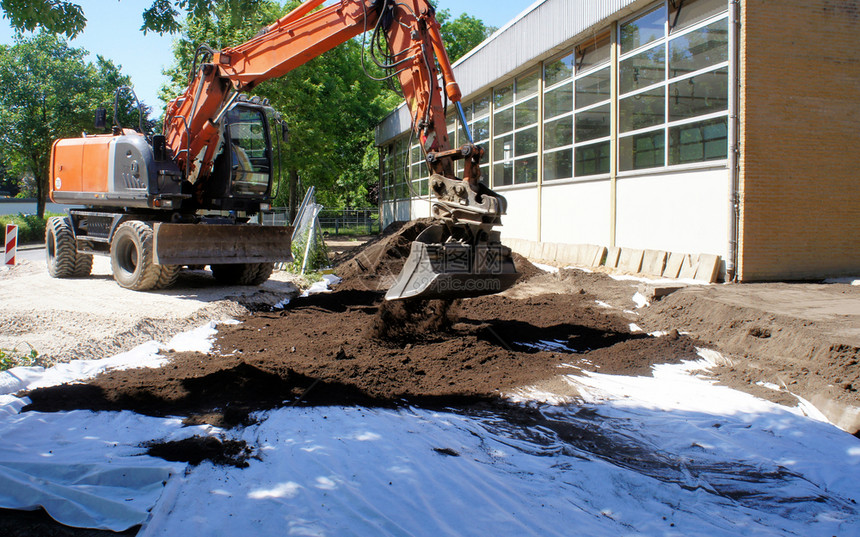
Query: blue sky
113	31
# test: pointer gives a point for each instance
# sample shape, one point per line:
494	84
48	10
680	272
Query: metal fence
332	221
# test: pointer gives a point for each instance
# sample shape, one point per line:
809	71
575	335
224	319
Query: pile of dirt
411	320
525	267
327	350
799	356
350	347
377	263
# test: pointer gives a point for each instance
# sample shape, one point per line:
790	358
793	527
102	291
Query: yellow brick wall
800	139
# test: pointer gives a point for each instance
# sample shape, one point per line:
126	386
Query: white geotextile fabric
86	469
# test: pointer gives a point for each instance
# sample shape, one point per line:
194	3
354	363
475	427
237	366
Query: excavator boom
461	255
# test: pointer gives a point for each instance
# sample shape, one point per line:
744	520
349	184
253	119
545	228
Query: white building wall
576	213
420	208
521	220
677	212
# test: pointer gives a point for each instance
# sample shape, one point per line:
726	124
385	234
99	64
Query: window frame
668	80
574	146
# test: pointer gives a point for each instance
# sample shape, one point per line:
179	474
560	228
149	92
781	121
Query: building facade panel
799	187
675	212
521	221
576	213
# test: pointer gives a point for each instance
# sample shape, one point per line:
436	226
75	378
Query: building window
418	171
400	169
387	172
673	85
577	126
515	131
558	118
478	118
593	126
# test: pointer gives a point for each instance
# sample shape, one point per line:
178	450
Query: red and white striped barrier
11	243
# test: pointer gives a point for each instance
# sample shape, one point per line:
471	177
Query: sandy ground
90	318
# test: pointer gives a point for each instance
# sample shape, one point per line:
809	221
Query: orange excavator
157	203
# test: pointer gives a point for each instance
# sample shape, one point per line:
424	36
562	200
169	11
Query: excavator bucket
442	268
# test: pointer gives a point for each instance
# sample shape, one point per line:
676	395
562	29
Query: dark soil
344	348
197	449
379	261
350	347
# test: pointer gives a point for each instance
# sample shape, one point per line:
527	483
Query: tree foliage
64	17
462	34
54	16
49	92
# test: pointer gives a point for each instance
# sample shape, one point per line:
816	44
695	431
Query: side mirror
285	132
101	118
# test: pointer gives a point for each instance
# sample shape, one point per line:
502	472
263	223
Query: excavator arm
459	256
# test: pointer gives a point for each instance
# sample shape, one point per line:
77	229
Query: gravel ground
90	318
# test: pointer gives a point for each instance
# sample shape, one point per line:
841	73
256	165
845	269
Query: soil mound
338	349
410	320
350	347
525	268
378	262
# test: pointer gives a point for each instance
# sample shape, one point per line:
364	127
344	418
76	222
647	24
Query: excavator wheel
168	277
131	257
61	255
242	273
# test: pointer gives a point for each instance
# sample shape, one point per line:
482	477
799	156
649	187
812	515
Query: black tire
168	277
131	257
264	270
83	265
242	273
61	254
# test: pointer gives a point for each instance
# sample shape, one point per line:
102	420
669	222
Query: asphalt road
34	254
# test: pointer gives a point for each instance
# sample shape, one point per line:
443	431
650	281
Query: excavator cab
243	171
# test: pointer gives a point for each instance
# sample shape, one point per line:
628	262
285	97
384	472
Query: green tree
462	34
67	18
49	92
